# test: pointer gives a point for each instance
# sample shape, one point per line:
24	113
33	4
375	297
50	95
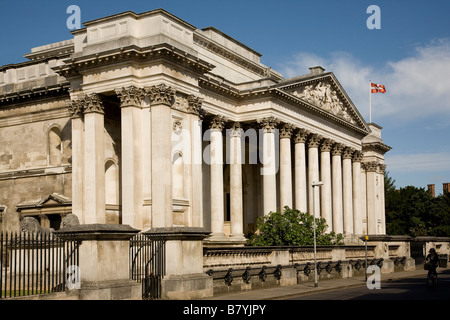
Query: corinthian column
313	169
347	190
301	188
76	108
131	156
338	219
94	160
372	195
325	177
217	202
269	169
161	98
285	166
357	199
236	196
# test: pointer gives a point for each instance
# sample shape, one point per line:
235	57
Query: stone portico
173	126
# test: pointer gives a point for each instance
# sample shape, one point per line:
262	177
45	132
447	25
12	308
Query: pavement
307	287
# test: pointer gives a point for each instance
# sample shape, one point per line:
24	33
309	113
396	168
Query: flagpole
370	101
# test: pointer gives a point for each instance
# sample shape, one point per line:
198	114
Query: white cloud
418	86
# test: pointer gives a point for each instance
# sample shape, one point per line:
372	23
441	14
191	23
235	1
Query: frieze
325	97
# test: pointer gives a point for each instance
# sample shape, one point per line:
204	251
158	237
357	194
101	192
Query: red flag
378	88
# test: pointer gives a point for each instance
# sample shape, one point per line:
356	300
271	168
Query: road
413	288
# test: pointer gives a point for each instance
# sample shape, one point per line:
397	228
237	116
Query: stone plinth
184	277
104	261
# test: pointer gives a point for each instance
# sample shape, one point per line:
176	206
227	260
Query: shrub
292	228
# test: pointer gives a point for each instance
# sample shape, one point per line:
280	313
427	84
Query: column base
220	240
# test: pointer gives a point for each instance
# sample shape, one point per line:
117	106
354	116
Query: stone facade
145	120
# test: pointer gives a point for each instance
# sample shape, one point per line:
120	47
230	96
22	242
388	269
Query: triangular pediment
53	200
324	92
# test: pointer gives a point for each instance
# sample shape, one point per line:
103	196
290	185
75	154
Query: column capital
371	166
347	153
161	94
337	149
76	108
357	156
217	123
268	124
314	140
92	103
326	145
130	96
286	131
236	130
301	135
195	105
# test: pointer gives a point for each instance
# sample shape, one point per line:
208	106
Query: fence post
183	278
104	261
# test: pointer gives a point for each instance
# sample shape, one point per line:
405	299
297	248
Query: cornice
376	146
35	94
76	66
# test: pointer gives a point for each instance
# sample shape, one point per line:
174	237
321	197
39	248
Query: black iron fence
147	264
37	263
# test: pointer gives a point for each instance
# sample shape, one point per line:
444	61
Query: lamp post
314	185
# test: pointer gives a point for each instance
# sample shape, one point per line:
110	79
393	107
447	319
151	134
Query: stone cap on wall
384	237
102	232
177	233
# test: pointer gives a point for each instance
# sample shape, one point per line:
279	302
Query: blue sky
410	54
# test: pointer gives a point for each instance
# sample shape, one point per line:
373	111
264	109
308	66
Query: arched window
55	149
111	183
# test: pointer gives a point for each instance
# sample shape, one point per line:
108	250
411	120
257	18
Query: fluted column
196	115
301	181
269	166
216	166
325	177
357	198
131	156
236	191
347	190
161	98
313	169
76	108
372	203
94	160
336	172
286	131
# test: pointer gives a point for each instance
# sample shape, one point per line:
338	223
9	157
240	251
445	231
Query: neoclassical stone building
143	119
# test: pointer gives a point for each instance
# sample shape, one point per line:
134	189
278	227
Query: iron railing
147	264
37	263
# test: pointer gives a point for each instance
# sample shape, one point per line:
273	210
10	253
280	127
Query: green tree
413	211
292	228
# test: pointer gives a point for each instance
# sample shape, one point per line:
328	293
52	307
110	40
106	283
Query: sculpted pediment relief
326	97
